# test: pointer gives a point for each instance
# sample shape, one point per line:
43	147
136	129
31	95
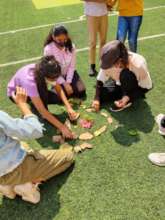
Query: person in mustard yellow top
130	20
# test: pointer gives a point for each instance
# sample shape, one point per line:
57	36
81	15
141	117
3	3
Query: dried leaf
86	146
82	147
67	123
86	136
89	110
58	139
77	149
104	114
100	131
110	120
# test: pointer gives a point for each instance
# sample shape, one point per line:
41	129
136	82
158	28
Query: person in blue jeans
129	21
129	25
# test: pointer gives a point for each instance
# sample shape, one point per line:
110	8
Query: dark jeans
130	25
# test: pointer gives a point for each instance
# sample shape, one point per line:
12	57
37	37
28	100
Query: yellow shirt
130	7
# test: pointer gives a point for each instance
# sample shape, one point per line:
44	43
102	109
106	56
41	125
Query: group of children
123	78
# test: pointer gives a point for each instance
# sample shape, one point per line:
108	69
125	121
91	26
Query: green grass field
115	180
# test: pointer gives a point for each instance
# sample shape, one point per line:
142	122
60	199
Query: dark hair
112	53
56	31
123	54
47	67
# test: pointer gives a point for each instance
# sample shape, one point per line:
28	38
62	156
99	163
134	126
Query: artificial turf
115	180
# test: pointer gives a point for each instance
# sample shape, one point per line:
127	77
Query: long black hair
123	54
49	68
56	31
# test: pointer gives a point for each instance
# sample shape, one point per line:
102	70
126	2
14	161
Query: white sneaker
7	191
158	119
29	192
157	158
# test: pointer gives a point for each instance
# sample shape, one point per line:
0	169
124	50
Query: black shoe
93	71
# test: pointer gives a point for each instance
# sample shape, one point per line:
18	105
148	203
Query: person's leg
122	28
92	23
8	191
53	98
110	94
129	85
133	30
78	86
37	166
103	29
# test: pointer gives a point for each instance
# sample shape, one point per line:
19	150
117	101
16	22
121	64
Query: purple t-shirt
24	78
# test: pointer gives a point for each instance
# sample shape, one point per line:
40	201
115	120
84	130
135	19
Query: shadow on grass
138	118
48	207
46	140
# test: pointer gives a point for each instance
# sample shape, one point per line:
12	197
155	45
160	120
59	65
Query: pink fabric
24	77
66	59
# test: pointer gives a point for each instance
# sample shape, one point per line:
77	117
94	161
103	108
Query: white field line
78	50
81	18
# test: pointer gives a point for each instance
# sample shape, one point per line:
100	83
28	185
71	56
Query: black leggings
129	87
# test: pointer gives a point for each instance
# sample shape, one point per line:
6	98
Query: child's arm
27	128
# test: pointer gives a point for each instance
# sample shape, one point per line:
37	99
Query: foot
29	192
93	71
157	158
7	191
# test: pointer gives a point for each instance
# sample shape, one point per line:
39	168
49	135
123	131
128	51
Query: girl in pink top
59	45
35	79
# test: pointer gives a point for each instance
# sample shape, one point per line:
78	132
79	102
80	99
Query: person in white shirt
128	71
97	20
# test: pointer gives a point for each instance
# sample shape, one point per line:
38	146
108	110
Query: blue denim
12	131
130	25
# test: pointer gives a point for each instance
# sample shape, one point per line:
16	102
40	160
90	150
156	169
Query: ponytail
49	38
123	54
48	67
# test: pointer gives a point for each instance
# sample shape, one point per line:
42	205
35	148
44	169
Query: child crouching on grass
21	171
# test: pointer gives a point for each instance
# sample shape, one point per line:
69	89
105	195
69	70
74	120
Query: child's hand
68	89
73	115
66	133
122	102
20	97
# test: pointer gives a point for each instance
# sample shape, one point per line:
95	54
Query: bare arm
72	114
37	102
63	97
